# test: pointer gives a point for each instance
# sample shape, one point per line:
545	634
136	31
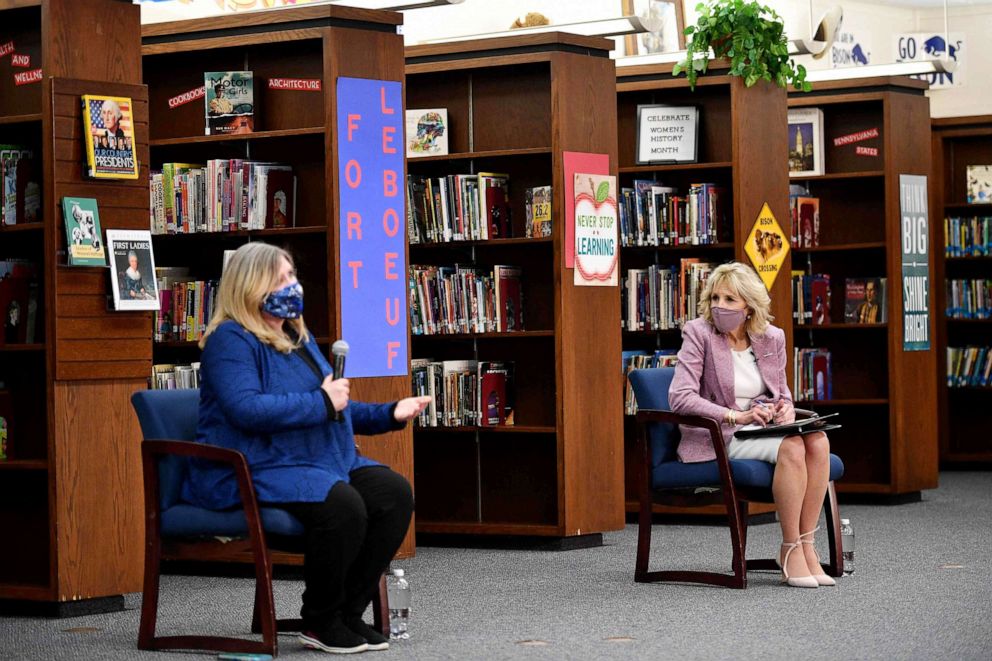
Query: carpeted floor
923	590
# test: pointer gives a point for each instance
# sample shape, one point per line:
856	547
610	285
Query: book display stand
741	148
296	57
514	105
70	486
958	143
874	131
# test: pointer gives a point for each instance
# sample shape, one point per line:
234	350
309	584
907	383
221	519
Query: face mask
727	320
285	303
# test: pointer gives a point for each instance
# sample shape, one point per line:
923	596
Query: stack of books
464	393
652	214
969	299
458	207
969	367
166	376
639	360
447	300
812	375
968	237
810	298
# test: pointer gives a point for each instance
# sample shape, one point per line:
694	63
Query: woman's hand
785	412
759	414
409	408
339	390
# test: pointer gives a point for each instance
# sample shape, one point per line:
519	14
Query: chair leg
742	512
643	542
264	611
380	608
738	535
832	515
149	599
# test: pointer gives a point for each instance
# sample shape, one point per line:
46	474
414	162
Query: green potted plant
748	34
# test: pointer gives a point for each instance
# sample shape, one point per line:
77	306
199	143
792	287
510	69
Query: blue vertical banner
914	222
372	245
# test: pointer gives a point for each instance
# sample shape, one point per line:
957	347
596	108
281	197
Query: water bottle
398	590
847	545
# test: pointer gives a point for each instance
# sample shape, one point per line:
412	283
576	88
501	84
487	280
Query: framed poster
668	39
667	134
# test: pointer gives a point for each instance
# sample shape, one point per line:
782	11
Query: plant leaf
602	191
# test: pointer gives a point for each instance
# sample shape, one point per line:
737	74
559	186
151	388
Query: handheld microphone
340	350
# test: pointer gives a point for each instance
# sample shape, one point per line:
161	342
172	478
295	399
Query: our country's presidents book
83	237
108	130
864	301
230	102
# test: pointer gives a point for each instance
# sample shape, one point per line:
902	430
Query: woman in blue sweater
268	392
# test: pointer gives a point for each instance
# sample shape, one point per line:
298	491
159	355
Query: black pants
349	540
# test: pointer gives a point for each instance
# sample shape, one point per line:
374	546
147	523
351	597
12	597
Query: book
426	132
6	423
864	300
17	281
509	303
82	232
809	221
108	131
229	102
132	270
280	198
537	204
979	179
495	394
12	185
805	142
28	191
494	202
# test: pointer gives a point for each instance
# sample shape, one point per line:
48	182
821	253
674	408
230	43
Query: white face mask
727	320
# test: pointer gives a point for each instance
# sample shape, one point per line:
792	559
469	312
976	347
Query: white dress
748	385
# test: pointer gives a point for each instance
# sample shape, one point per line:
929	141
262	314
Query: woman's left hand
784	412
409	408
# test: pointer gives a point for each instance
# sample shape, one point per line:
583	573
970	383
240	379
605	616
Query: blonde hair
744	282
251	273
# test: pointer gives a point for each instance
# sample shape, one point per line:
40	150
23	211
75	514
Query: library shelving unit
70	488
740	148
885	395
295	127
957	143
514	106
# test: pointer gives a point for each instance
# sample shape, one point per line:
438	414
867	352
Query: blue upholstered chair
177	530
664	479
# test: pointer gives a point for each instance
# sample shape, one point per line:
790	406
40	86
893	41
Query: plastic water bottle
847	545
398	590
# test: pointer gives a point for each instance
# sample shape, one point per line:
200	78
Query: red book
280	198
820	295
509	299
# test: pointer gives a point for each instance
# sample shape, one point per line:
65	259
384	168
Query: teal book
84	240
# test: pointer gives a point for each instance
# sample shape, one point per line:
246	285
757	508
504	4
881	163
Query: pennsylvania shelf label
914	224
767	246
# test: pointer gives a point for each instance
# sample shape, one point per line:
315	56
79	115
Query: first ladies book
109	134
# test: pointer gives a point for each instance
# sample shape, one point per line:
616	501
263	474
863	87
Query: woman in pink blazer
732	368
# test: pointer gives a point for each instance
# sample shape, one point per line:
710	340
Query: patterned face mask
285	303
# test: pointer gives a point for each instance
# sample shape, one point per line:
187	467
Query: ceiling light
609	27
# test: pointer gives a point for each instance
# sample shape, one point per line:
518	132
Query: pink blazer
704	381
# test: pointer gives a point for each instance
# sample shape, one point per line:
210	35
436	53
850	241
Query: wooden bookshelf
71	487
957	143
514	105
738	128
322	42
885	395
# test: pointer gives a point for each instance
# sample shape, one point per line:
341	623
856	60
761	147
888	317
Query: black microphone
340	350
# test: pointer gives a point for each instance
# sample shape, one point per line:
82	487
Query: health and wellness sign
371	247
914	230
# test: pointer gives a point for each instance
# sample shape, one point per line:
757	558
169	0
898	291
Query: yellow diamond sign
766	246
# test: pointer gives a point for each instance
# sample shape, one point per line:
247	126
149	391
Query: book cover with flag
109	133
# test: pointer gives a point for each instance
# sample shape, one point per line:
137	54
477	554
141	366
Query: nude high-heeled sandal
821	578
792	581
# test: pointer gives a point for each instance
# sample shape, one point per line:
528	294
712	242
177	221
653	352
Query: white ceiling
924	4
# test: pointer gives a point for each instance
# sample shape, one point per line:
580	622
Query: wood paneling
98	487
99	46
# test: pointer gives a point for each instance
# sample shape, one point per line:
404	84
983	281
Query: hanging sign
6	49
19	60
596	237
295	84
767	246
914	229
372	226
186	97
27	77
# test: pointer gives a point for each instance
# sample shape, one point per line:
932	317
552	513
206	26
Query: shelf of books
515	354
848	145
244	148
680	220
59	376
962	192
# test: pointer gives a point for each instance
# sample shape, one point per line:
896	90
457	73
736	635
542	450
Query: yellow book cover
109	133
